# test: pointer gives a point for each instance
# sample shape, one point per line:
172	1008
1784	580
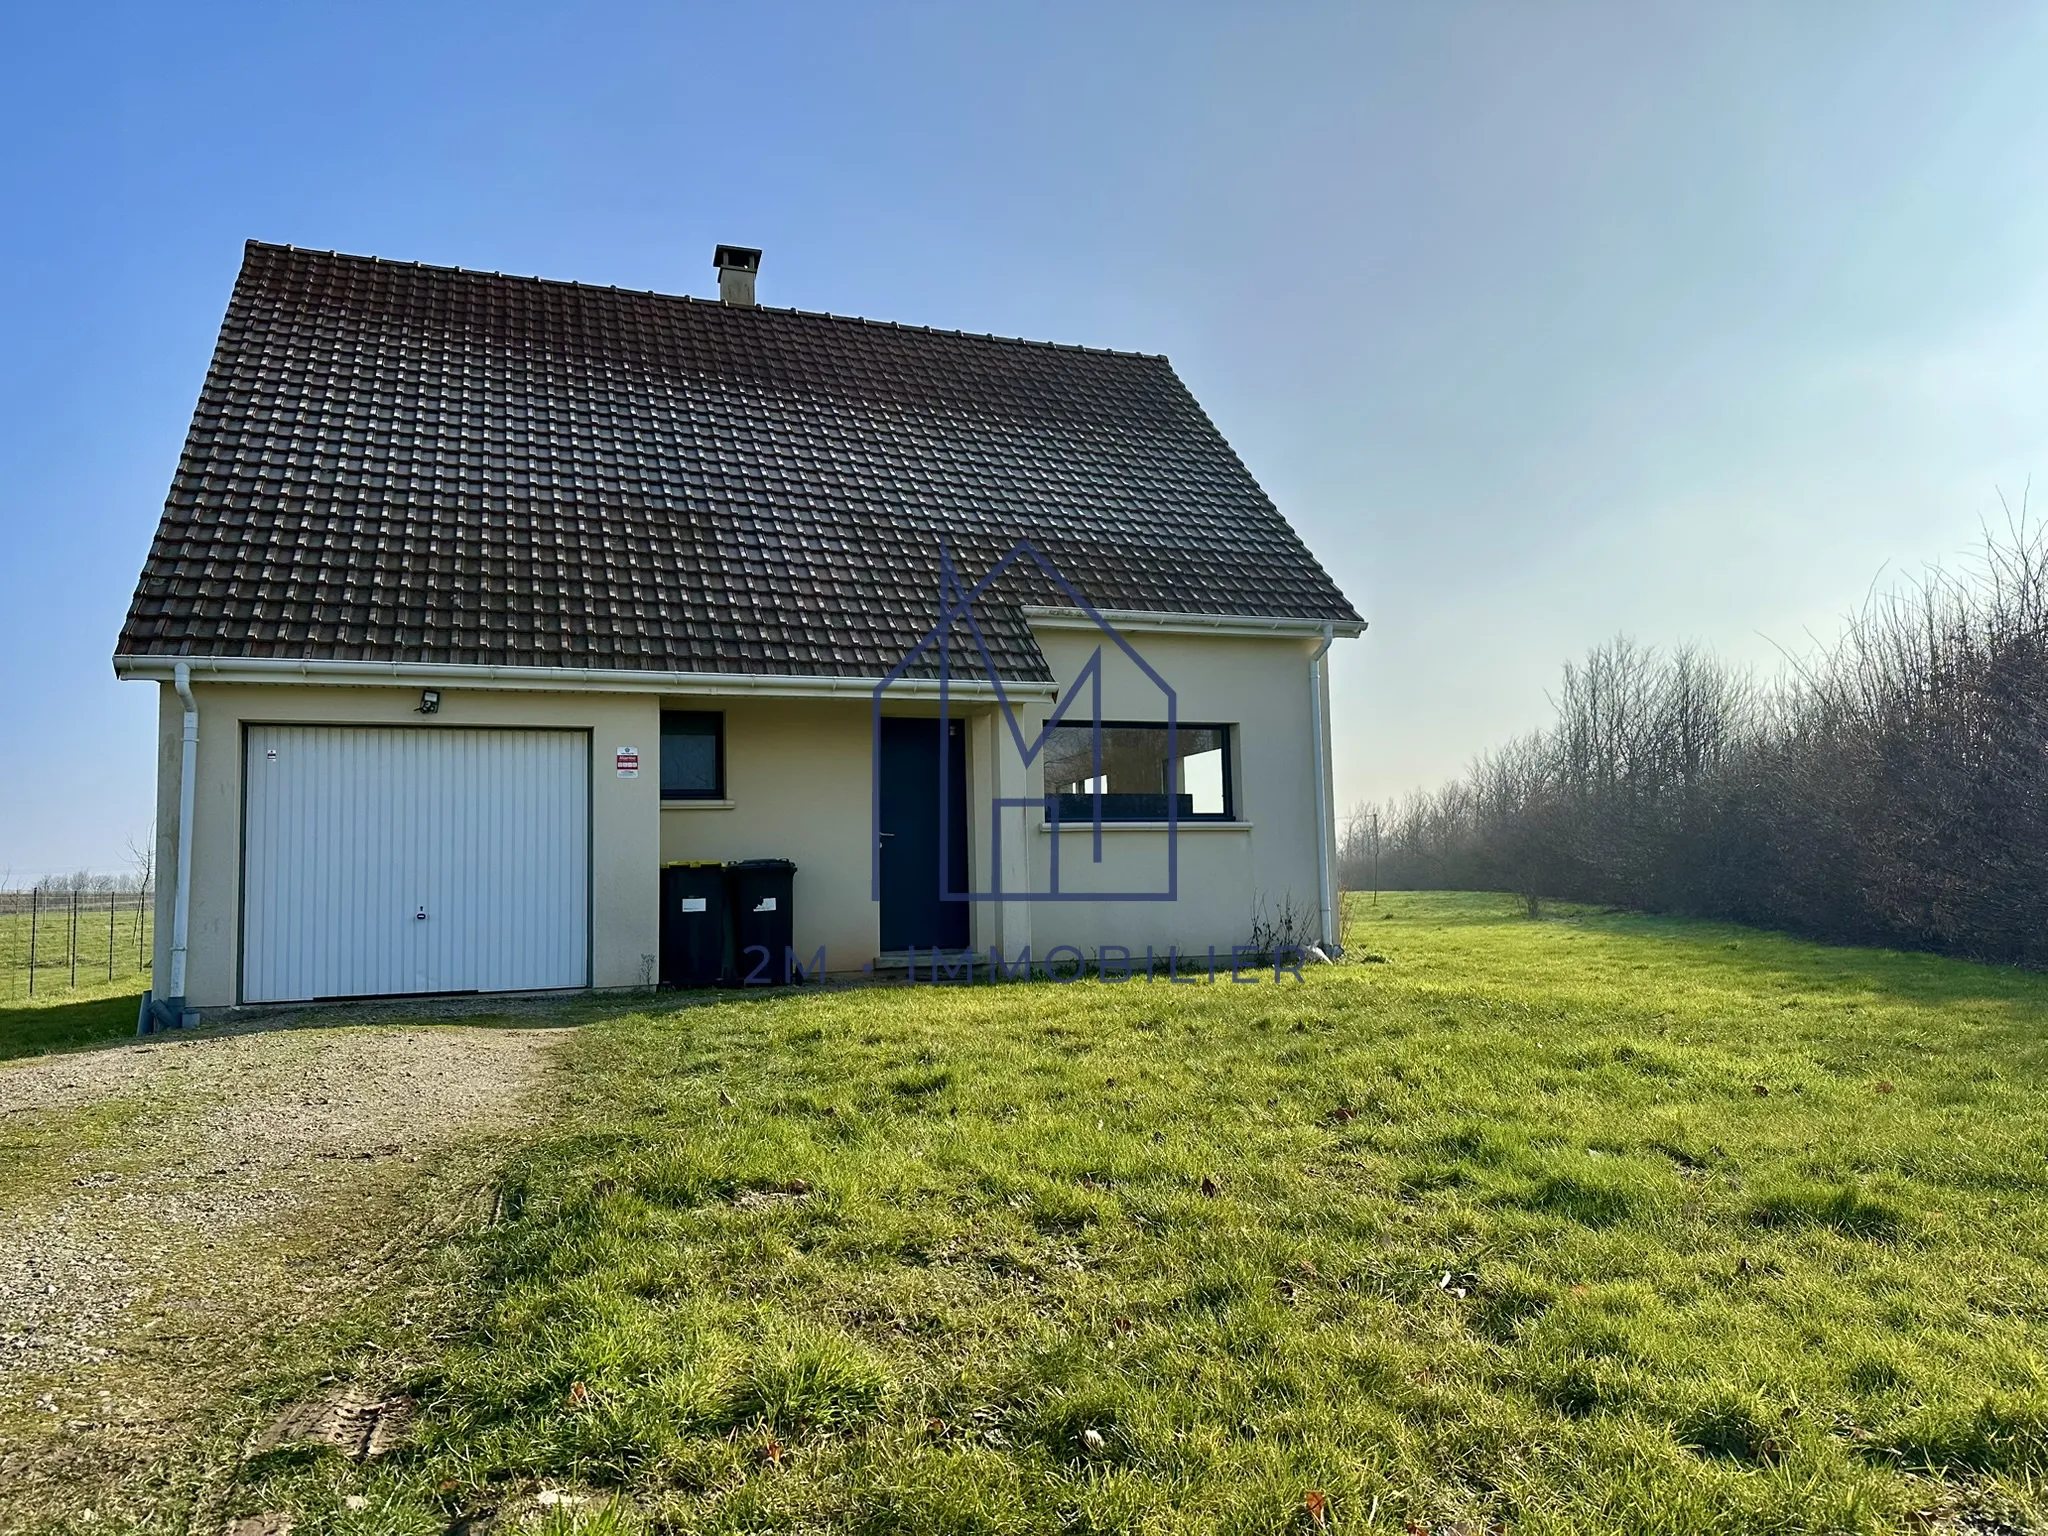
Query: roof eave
1248	626
365	674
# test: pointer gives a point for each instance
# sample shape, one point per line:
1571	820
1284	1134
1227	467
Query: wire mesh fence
54	941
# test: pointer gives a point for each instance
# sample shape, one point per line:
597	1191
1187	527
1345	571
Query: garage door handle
420	916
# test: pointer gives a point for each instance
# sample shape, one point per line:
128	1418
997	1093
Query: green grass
54	1013
54	949
106	1013
1586	1224
39	1148
57	1015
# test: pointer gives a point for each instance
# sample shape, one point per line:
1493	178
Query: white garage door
384	859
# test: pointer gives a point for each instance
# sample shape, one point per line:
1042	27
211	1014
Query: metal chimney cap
736	258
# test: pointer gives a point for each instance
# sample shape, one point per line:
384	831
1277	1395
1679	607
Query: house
478	599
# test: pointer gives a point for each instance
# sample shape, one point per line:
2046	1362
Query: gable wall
1259	687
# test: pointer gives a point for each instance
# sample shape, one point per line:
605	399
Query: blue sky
1542	323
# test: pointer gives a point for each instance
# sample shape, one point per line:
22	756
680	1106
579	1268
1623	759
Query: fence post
35	912
74	938
113	907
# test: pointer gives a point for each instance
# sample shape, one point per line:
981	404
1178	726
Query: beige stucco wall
797	781
625	813
799	786
1259	686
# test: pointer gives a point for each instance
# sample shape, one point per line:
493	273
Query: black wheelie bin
695	932
758	891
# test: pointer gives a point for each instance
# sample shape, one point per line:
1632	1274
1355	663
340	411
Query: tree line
1891	788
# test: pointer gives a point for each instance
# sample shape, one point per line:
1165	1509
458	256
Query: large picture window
692	755
1137	773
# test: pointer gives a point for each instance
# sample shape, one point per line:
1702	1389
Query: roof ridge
691	298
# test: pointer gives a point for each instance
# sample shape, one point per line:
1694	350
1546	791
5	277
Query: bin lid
762	864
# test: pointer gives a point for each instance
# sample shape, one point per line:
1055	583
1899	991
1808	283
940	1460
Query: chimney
736	265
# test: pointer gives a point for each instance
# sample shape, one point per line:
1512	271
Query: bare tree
1890	788
142	859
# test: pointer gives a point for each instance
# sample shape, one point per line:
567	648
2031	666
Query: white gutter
1319	727
173	1010
273	669
1142	621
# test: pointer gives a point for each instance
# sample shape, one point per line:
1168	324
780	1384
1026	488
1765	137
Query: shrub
1892	790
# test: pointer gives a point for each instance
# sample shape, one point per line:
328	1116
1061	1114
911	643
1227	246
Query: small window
692	755
1136	774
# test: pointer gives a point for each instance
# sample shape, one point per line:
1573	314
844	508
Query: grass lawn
102	963
1593	1223
57	1015
67	1019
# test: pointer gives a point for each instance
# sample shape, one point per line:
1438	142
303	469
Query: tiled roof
394	462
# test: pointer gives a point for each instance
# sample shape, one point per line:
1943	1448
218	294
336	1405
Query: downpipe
170	1012
1320	731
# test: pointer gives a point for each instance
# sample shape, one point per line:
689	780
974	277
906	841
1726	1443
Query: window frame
717	792
1225	734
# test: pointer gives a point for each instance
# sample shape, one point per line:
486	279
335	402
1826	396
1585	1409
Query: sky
1541	323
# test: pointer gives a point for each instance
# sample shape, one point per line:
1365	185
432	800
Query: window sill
1186	824
698	805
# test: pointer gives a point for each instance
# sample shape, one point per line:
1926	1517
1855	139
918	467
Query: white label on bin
765	904
693	903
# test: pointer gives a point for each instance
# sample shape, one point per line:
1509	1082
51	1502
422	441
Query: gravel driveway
169	1208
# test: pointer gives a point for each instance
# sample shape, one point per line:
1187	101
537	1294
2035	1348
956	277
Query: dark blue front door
912	913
